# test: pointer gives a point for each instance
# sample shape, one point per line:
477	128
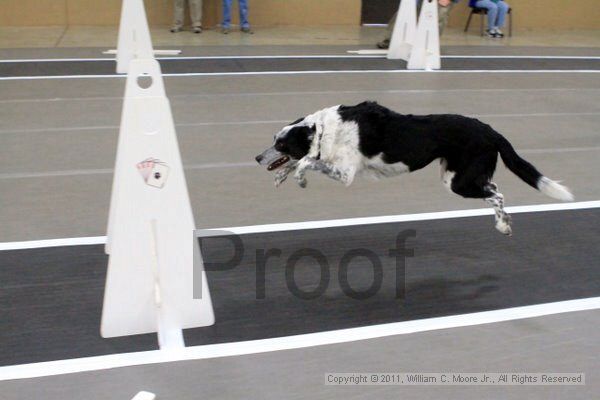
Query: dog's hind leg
496	200
474	182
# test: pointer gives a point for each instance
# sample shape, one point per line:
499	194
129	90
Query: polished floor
58	139
96	36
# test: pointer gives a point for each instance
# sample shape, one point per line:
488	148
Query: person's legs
502	11
196	13
492	12
226	14
443	15
385	43
178	15
244	24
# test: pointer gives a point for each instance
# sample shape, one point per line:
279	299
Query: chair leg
481	24
469	21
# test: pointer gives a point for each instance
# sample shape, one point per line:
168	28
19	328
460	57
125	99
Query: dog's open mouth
278	163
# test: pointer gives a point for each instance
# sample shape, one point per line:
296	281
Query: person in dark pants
244	24
496	14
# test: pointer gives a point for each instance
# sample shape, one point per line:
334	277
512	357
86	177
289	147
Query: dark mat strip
51	299
77	68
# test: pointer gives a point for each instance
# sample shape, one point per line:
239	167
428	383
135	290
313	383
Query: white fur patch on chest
339	143
378	168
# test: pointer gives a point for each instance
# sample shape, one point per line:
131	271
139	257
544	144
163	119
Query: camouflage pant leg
443	15
196	13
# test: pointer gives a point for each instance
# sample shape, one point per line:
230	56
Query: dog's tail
529	174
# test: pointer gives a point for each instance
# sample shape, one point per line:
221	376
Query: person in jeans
195	14
444	8
244	24
496	14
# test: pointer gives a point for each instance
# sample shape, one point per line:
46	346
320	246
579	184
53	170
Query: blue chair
482	13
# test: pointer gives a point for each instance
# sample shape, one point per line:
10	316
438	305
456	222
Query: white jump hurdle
415	41
426	49
405	29
150	284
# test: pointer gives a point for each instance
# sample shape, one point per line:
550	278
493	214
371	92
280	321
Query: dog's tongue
278	163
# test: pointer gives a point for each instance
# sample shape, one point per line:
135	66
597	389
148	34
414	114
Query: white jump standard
151	281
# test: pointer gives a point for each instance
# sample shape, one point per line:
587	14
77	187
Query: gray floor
58	144
64	133
559	343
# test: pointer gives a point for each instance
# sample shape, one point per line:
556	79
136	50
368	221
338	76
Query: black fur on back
416	141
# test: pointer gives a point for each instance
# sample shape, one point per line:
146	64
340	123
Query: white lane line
383	53
509	57
42	244
281	227
53	368
352	54
49	243
321	72
104	171
320	92
189	58
335	223
269	122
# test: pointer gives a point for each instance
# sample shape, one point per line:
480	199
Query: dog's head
289	145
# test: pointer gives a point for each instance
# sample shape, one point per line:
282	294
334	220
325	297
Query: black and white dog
367	138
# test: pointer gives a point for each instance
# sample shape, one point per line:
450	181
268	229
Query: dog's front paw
345	179
300	178
301	181
280	177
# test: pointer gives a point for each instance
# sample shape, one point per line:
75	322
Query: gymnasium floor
58	129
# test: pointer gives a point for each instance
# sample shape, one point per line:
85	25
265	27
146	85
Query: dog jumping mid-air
343	141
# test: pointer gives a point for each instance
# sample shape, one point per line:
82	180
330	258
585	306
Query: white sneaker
498	32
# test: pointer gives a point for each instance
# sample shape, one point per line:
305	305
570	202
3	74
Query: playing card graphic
154	172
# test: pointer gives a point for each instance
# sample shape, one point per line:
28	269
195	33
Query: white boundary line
334	223
52	368
323	72
282	227
47	243
352	54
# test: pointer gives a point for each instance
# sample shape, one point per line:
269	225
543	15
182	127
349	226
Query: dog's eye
279	146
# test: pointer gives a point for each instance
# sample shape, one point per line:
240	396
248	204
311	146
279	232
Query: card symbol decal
154	172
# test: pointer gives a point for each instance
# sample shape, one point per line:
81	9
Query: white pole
405	28
426	50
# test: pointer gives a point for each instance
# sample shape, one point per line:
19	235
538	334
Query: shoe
176	29
247	30
224	31
491	33
499	33
197	29
384	44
